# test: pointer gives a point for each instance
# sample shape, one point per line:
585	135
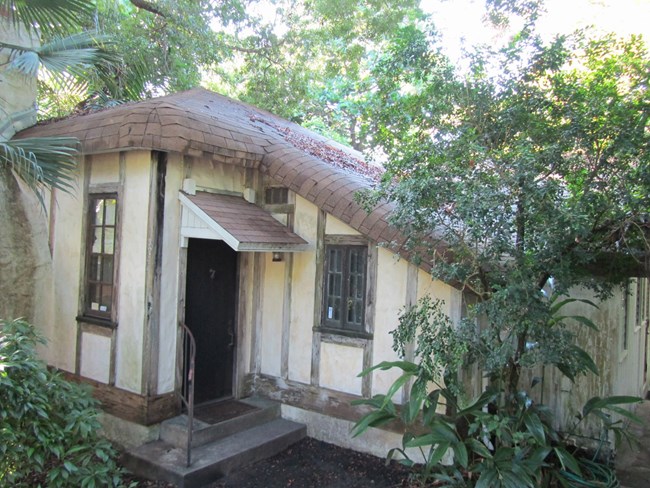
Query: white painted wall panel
95	357
133	257
335	226
169	278
272	303
61	328
339	367
303	289
391	298
105	168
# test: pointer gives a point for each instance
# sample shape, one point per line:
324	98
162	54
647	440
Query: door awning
241	225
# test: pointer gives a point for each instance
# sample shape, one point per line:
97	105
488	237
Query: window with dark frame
344	296
277	195
100	256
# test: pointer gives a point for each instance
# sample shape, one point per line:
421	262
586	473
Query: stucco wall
272	304
391	299
133	265
169	283
302	293
61	328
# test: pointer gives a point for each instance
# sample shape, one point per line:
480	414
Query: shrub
48	426
502	439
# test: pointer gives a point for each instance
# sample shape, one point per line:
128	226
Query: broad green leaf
405	366
394	388
579	318
438	453
479	448
534	426
488	479
460	454
372	419
569	463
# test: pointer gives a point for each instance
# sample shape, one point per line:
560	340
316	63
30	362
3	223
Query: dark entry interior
210	301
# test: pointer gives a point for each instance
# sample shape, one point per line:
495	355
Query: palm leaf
47	15
42	161
71	55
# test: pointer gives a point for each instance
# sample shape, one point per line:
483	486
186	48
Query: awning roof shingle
242	225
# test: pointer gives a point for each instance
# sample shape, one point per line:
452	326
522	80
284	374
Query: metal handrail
187	388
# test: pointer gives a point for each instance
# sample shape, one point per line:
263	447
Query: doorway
210	305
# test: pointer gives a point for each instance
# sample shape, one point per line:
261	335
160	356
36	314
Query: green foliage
68	58
491	447
47	15
48	426
440	348
42	161
518	179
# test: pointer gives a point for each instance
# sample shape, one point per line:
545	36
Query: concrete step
160	460
174	431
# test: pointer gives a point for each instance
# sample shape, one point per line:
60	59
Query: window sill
89	319
356	334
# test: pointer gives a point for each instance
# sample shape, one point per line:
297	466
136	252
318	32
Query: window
100	256
344	299
277	195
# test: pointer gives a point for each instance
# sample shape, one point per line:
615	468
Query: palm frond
72	54
42	161
47	15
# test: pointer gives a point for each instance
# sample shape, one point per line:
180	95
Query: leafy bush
492	447
502	439
48	426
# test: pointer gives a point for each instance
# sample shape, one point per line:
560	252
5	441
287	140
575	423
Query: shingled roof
201	123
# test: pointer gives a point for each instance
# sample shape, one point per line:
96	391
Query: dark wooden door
210	301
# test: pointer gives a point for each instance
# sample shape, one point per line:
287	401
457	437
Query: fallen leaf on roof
326	152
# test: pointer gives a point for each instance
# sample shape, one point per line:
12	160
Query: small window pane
94	292
109	240
98	211
110	205
106	298
107	269
97	240
94	272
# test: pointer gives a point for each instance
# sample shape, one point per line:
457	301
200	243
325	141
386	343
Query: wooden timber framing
258	318
153	271
182	283
245	263
371	294
321	221
286	315
140	409
317	399
82	268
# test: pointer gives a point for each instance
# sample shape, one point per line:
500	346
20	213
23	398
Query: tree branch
148	6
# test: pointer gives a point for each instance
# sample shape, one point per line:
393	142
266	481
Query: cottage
200	210
196	209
